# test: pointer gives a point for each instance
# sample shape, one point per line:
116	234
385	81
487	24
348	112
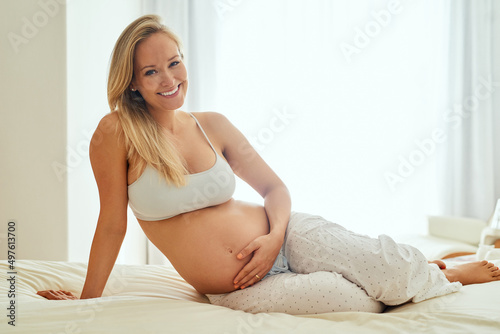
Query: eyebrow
154	65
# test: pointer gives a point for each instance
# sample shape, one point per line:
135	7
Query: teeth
171	92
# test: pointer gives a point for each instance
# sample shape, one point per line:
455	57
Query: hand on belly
203	246
262	252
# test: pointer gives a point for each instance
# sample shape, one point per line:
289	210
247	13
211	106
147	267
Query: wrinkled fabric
331	269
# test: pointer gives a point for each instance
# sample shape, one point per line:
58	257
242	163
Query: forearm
104	251
278	205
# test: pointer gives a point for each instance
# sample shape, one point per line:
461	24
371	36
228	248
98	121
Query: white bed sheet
155	299
435	248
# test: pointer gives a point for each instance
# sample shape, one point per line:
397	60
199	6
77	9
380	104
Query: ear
132	85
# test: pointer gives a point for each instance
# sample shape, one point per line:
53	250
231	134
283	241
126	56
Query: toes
439	263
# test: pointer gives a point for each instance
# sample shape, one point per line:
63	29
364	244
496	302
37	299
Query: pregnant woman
176	170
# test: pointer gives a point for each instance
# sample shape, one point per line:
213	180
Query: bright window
341	99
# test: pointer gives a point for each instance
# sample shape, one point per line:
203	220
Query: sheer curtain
340	97
470	159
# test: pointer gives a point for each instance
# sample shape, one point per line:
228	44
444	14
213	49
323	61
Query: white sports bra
151	198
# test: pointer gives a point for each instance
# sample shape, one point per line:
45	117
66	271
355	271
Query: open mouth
172	92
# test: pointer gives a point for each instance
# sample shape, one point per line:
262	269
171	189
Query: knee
342	295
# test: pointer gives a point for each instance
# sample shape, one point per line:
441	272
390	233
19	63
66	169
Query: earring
133	89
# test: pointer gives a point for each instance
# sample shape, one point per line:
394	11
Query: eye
175	63
150	72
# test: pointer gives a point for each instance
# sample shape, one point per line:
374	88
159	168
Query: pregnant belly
202	245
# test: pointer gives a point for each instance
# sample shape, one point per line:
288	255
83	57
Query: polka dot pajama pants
332	269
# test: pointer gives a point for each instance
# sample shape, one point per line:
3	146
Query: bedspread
155	299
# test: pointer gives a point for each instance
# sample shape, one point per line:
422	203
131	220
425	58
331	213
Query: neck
168	119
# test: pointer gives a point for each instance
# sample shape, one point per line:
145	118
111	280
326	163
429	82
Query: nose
167	79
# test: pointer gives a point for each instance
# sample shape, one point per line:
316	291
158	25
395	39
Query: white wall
33	127
53	93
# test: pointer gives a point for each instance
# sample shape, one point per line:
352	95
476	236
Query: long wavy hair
146	143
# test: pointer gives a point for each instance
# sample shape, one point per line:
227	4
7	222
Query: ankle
450	275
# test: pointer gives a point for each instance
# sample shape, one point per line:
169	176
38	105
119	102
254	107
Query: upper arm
241	156
108	158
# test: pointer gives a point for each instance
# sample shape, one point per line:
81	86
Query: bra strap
203	131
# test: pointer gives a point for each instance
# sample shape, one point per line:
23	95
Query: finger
439	263
252	247
64	295
245	281
48	294
41	293
246	274
252	280
56	295
250	274
70	295
241	275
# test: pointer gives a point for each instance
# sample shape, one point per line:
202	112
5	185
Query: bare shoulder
218	128
108	137
109	124
108	128
212	119
217	125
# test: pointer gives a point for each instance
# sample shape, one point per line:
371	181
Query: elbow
281	186
112	232
118	232
115	227
278	188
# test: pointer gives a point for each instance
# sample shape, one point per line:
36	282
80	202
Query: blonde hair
146	143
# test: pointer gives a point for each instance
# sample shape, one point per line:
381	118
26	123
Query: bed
155	299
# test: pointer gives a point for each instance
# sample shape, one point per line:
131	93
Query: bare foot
56	295
440	264
473	272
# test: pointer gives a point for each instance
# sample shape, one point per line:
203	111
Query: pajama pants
332	269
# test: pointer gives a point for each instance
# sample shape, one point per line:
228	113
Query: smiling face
159	73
